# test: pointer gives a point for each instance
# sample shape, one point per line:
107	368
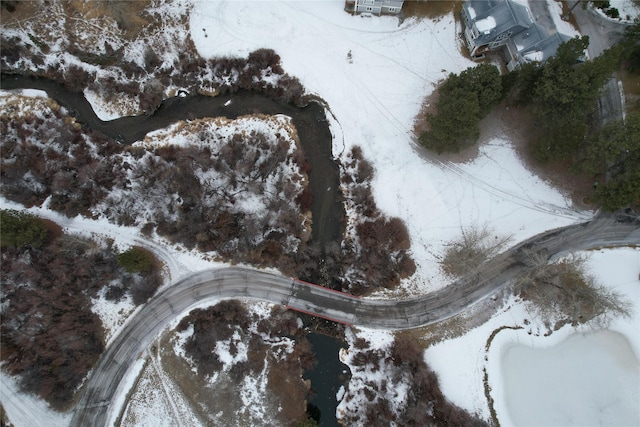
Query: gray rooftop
507	15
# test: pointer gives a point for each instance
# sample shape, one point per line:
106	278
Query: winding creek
324	179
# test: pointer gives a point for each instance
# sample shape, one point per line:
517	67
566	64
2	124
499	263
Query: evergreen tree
615	151
564	97
456	124
18	229
464	100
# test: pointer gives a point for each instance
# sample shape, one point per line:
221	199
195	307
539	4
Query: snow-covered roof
529	37
486	25
493	18
472	12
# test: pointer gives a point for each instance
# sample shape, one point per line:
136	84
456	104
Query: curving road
96	399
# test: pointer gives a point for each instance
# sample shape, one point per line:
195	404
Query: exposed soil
286	401
430	9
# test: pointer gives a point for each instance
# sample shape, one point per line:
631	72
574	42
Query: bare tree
563	292
474	246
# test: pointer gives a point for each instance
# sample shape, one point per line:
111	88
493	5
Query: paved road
603	33
102	385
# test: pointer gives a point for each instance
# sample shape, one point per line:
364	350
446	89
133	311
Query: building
376	7
504	25
533	45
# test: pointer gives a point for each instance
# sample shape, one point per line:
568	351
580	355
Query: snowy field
374	97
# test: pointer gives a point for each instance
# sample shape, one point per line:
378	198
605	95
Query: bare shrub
76	78
50	337
564	291
404	368
468	252
293	91
265	58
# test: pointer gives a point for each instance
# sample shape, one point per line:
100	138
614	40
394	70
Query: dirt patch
24	10
430	9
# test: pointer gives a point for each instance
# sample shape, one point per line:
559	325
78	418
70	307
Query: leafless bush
404	367
474	246
76	78
293	91
48	156
150	99
265	58
564	291
50	337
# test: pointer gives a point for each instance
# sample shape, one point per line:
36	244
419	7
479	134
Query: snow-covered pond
587	379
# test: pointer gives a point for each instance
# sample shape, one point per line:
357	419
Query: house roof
545	48
529	37
494	17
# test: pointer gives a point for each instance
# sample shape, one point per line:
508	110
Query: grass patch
430	9
129	15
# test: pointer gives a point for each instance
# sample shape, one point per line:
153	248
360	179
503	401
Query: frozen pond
585	380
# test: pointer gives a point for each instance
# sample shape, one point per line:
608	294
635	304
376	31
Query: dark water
326	377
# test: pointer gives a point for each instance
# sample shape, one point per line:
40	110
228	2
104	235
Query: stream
324	179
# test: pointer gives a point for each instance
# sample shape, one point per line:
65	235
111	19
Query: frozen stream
587	379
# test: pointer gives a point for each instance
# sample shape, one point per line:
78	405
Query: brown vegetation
50	337
377	248
466	253
430	9
231	321
562	292
48	155
52	158
424	403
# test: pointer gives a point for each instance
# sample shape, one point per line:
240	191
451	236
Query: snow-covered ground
600	385
627	8
374	97
374	73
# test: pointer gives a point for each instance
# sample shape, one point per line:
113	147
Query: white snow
374	99
368	377
627	8
109	111
587	380
486	25
31	93
461	362
113	314
563	27
534	56
25	410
